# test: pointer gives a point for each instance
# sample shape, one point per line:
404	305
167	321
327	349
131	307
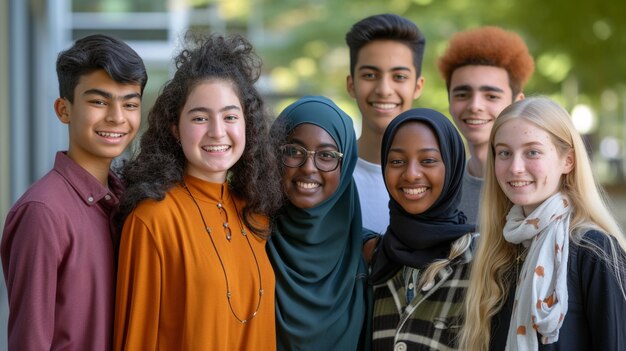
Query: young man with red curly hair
485	70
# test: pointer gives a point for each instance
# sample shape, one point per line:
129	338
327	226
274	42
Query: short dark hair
96	52
386	27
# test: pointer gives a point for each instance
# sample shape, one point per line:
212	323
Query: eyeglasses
294	156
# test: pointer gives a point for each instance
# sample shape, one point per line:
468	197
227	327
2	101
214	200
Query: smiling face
415	172
306	186
102	120
212	130
477	96
527	165
384	84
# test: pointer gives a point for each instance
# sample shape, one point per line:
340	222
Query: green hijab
316	252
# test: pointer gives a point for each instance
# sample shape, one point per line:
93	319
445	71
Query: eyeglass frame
312	154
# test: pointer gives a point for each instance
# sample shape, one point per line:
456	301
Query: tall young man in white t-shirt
386	53
485	70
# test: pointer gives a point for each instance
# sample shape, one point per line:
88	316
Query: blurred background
579	51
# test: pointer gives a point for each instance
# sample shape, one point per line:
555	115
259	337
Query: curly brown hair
160	163
489	46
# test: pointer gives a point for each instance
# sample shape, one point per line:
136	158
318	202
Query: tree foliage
579	44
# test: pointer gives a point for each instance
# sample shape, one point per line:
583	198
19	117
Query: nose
216	128
309	164
115	114
383	87
517	164
476	103
413	171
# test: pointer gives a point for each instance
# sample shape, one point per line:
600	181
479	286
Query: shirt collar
90	190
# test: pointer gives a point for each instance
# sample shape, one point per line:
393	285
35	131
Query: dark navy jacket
596	315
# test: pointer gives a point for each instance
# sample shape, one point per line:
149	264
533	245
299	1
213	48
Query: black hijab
418	240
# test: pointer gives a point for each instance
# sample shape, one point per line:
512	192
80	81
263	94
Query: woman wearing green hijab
315	247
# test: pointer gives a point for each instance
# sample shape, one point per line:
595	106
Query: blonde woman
549	273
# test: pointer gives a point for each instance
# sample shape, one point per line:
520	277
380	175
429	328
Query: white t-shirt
373	195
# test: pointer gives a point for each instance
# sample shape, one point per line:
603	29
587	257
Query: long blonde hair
493	265
458	247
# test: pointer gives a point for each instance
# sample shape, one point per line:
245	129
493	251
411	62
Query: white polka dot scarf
541	294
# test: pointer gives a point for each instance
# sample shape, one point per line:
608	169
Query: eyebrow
208	110
426	149
483	88
374	68
108	95
531	143
300	142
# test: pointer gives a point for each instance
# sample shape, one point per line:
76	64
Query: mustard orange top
171	288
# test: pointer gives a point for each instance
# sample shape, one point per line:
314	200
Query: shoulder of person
474	242
596	238
48	197
593	245
469	252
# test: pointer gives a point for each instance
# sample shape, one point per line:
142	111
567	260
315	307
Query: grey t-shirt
470	196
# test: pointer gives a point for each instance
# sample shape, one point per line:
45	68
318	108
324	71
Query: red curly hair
489	46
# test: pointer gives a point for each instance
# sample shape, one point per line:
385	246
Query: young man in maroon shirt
57	245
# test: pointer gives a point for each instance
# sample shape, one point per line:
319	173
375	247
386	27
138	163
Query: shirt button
400	347
107	197
90	199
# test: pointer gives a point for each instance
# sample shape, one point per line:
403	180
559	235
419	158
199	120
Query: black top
596	315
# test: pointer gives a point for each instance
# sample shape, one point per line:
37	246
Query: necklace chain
243	232
521	252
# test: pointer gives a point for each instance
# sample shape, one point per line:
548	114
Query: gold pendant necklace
228	237
521	252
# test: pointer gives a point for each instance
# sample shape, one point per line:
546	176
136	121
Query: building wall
5	198
5	180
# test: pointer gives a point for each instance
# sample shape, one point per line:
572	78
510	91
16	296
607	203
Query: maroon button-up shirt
58	261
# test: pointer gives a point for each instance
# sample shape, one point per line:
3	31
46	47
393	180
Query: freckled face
528	166
415	172
306	186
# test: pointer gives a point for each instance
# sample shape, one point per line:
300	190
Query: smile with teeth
476	121
384	106
307	185
110	134
414	191
215	148
519	184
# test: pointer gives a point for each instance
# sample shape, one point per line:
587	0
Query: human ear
419	86
569	161
61	109
175	133
350	86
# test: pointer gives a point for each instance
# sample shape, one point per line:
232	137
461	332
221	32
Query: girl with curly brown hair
191	276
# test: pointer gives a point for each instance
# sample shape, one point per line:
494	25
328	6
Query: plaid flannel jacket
433	318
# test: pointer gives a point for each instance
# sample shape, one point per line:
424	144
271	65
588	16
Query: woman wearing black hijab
421	266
